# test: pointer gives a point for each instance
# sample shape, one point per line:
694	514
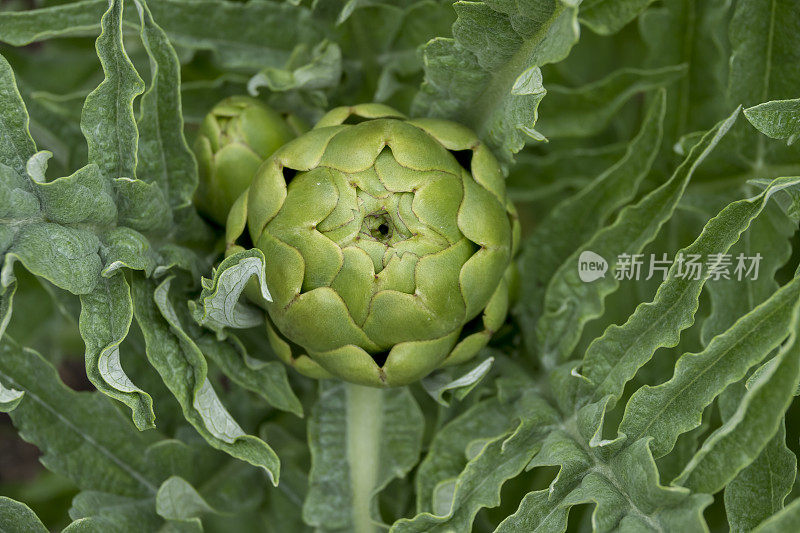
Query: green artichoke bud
235	138
388	245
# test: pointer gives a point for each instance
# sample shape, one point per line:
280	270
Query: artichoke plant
234	139
388	245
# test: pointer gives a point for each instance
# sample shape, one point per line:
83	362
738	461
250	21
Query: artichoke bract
235	138
388	245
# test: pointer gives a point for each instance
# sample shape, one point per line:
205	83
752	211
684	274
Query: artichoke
388	245
235	138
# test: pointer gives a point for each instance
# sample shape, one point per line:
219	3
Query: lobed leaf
164	157
665	411
742	437
576	219
487	76
570	303
107	121
183	369
267	379
106	315
587	110
82	435
613	359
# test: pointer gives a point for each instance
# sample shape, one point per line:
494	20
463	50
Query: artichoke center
379	226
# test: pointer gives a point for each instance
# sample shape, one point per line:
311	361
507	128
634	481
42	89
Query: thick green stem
364	421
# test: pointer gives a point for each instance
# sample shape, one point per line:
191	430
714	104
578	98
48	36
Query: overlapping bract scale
380	245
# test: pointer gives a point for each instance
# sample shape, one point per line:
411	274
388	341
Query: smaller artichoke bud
235	138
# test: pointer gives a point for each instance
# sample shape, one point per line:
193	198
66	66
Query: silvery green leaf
758	491
84	196
487	76
183	369
778	119
665	411
573	221
9	398
659	323
449	380
570	302
218	306
164	156
764	39
178	500
447	456
743	436
142	206
609	16
113	138
480	482
586	110
16	144
106	315
267	379
678	32
24	27
82	435
16	516
319	68
36	167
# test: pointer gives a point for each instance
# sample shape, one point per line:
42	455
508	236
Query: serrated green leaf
692	33
183	369
587	110
19	28
112	137
488	76
265	378
218	306
447	455
570	302
106	315
82	435
576	219
740	439
667	410
164	156
479	484
759	490
16	144
439	383
659	323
